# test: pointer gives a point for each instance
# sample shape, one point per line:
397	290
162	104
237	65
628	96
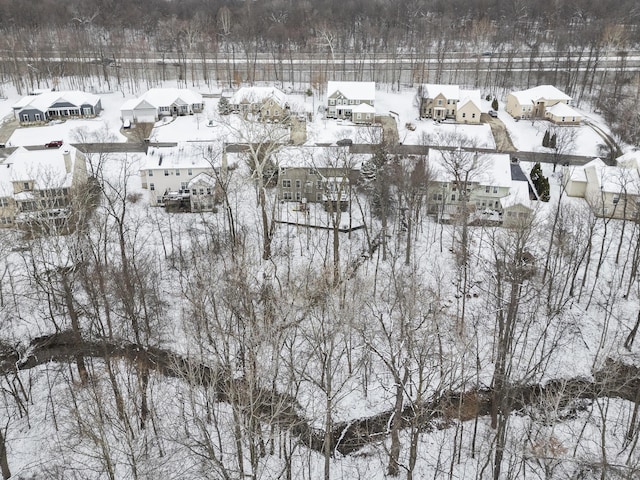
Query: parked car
53	144
493	113
345	142
126	124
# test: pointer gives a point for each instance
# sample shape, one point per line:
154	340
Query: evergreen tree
540	182
545	140
223	106
553	141
494	104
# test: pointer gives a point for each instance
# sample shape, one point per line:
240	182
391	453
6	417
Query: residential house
161	102
36	186
354	101
313	174
519	205
268	104
610	191
534	102
438	101
49	105
463	178
442	102
203	192
168	172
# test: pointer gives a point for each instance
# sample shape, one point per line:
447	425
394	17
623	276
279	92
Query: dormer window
26	186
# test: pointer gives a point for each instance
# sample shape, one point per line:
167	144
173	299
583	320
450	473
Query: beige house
517	207
354	101
37	186
468	108
268	104
610	191
563	114
442	102
534	102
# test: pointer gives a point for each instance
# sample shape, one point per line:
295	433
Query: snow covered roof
353	90
541	92
629	159
363	108
492	169
46	168
450	92
320	157
44	100
164	97
518	195
563	110
184	155
472	96
258	95
614	179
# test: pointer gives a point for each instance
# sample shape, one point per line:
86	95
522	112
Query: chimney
67	160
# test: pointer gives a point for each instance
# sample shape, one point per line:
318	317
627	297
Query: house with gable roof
442	102
354	101
487	180
161	102
36	186
268	104
49	105
610	191
535	102
170	172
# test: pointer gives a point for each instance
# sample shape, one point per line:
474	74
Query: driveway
500	133
8	126
389	129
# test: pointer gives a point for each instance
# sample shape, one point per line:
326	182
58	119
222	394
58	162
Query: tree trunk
4	463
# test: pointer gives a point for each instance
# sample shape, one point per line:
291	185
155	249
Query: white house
353	101
36	186
170	170
161	102
610	191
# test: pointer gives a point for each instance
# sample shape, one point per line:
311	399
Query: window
86	110
435	196
151	173
37	116
439	196
166	173
464	115
473	115
286	183
287	196
439	102
318	197
487	189
184	186
152	186
190	172
25	117
453	197
563	119
358	116
177	172
495	189
524	109
332	101
25	185
616	199
298	183
298	196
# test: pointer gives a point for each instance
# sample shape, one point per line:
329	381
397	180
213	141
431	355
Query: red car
54	144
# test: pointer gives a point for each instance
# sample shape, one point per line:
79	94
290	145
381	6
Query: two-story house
610	191
161	102
37	186
465	179
267	104
442	102
171	173
354	101
49	105
318	175
537	102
